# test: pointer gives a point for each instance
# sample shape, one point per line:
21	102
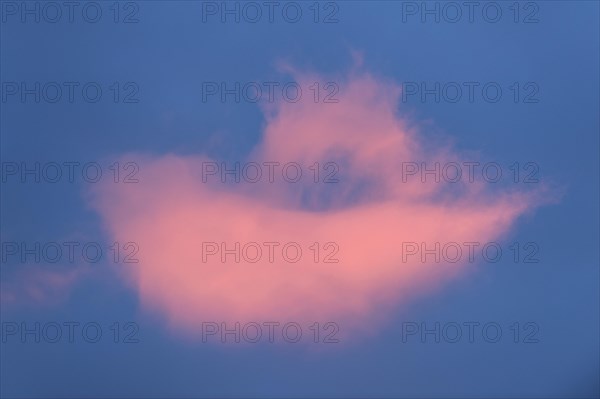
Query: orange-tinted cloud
368	214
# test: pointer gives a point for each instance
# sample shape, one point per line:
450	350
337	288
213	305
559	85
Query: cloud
33	285
367	215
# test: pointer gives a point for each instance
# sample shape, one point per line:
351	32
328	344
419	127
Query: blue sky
167	55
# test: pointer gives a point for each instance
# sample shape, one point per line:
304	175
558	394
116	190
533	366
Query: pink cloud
170	213
33	285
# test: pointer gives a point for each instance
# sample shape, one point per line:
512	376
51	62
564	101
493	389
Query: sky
299	199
